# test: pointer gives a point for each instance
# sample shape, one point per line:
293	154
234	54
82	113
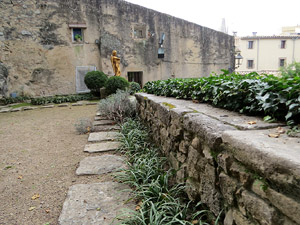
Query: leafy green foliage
291	70
134	87
114	83
61	99
254	94
10	100
159	201
95	80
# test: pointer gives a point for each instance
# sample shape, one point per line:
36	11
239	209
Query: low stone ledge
222	154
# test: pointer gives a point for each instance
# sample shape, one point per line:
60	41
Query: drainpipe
294	43
257	54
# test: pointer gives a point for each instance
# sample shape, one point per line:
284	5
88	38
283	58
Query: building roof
272	37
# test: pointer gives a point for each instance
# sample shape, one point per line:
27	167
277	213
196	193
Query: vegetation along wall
40	54
228	161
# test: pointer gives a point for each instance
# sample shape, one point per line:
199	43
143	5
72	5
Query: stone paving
97	203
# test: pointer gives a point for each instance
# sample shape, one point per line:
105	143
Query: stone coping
250	144
234	119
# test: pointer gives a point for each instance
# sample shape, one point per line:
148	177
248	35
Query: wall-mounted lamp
238	60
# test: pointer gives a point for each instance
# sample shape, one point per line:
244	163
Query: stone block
192	162
183	147
173	161
103	136
208	190
94	204
275	158
228	187
175	131
97	165
181	157
106	128
288	206
239	219
104	122
196	143
102	147
259	209
192	189
238	171
181	174
207	128
63	105
224	161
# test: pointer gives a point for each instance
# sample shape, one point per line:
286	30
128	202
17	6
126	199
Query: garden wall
228	160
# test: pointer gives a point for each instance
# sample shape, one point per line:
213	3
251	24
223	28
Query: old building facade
47	46
266	54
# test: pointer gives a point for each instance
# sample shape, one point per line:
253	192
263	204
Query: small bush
83	126
95	80
134	87
117	106
61	99
114	83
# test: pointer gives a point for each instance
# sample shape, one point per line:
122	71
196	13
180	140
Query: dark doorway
136	77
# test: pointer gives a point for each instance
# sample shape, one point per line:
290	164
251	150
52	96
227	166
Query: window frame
73	36
139	31
283	44
284	62
250	46
252	66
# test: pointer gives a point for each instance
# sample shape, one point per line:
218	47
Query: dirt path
39	153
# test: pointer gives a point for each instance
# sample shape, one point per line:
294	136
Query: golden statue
115	62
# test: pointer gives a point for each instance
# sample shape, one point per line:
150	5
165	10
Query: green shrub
95	80
114	83
253	94
134	87
118	106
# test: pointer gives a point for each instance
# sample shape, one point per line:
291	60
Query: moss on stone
170	106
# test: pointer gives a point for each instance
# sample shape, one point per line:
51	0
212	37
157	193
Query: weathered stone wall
190	49
40	57
37	49
226	162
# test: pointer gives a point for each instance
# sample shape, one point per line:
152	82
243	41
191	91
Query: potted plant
78	37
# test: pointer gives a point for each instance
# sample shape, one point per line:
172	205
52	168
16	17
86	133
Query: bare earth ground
39	153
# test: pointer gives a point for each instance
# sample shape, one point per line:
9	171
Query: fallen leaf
274	135
20	177
195	101
252	122
36	196
280	130
195	221
31	208
137	208
98	209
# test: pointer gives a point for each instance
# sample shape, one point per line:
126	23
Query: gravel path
39	154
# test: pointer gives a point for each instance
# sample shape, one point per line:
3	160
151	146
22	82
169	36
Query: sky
266	17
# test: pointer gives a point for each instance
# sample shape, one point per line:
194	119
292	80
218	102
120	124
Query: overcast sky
266	17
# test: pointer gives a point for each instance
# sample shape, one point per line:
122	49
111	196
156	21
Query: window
139	31
250	44
282	44
281	62
77	34
250	64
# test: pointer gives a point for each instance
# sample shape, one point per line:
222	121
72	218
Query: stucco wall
227	163
266	52
38	53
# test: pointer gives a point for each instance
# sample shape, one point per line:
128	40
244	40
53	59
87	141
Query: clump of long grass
159	201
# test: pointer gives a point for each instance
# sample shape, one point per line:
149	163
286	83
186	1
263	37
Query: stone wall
228	161
40	57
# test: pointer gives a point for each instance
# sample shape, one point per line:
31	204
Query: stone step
102	147
95	204
103	136
106	128
97	118
104	122
97	165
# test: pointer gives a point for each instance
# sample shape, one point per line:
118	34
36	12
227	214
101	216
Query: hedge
252	94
